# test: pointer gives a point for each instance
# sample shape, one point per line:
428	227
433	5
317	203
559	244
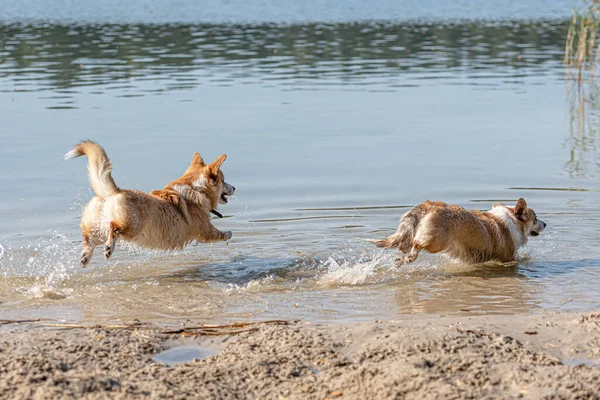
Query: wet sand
528	356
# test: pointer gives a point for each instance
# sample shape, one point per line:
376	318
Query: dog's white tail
389	242
403	238
99	168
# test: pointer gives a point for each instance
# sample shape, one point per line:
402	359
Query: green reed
581	50
582	54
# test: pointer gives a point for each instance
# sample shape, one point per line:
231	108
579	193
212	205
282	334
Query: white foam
255	285
366	269
41	291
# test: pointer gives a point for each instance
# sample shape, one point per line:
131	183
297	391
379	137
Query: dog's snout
229	189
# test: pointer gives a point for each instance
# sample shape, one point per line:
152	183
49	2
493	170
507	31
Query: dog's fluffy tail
99	168
403	238
389	242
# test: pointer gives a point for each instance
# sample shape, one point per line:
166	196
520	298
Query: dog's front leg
218	236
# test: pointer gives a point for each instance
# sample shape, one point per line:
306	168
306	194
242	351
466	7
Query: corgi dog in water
470	236
165	219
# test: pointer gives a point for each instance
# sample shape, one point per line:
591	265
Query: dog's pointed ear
215	165
521	209
197	160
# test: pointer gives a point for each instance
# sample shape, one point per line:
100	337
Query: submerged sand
534	356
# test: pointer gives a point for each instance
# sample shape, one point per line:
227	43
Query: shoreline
500	356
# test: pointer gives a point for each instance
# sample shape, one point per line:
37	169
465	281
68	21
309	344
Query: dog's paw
408	259
84	260
108	250
405	259
227	235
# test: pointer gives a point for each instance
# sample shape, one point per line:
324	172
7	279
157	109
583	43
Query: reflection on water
57	57
333	130
584	127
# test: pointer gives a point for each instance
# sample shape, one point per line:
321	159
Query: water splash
371	267
42	291
354	272
50	261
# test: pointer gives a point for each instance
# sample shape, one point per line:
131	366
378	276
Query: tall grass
582	55
582	49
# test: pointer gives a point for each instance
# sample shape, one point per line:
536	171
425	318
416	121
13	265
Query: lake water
335	118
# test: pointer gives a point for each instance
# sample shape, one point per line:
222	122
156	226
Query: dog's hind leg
428	239
412	254
89	244
113	233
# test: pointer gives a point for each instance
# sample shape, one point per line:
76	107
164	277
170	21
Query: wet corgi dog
470	236
165	219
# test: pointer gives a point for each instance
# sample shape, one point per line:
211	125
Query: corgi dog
470	236
166	219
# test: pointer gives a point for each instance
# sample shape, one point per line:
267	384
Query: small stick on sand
240	324
76	326
17	321
209	329
206	329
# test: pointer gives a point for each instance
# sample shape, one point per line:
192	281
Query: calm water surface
335	122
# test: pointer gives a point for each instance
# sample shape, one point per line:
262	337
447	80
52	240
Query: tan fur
467	235
165	219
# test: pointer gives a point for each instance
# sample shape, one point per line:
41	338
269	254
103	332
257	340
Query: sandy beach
529	356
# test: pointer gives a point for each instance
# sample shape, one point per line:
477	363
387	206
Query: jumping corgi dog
165	219
470	236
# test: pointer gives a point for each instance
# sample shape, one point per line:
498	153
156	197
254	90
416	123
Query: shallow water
333	129
182	354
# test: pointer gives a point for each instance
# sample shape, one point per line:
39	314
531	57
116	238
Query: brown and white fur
470	236
165	219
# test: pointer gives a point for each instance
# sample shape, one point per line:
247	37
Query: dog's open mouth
534	233
223	198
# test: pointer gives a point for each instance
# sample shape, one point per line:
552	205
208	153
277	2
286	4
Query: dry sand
549	356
